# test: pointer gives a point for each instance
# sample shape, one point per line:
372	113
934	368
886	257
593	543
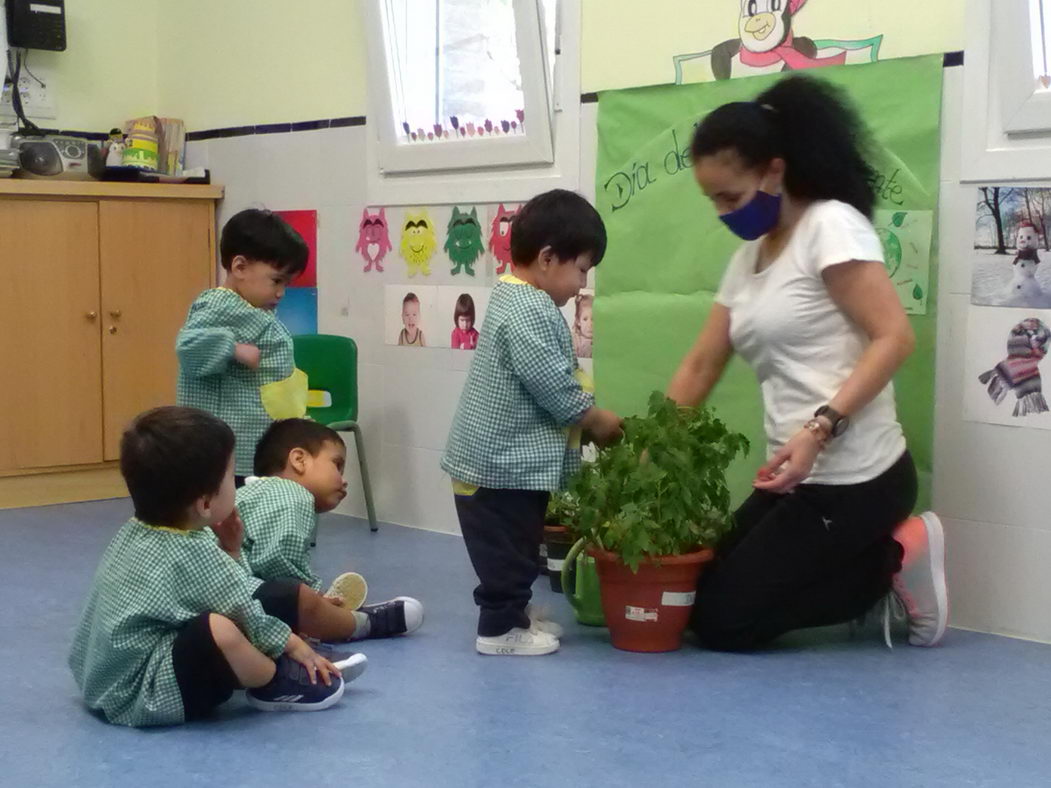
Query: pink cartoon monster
500	237
373	239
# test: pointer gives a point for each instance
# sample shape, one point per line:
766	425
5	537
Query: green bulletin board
668	249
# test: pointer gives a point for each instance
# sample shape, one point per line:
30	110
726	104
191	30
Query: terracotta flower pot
648	610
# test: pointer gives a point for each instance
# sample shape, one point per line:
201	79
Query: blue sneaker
290	690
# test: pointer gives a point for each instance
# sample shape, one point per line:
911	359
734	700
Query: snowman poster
1011	263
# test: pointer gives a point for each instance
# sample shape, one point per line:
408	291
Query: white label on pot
555	564
678	598
633	613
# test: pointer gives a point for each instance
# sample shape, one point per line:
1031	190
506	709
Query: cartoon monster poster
418	241
500	237
463	242
373	239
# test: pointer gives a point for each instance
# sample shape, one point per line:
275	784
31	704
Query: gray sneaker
920	585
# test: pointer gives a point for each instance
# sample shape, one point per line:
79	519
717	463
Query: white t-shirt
784	323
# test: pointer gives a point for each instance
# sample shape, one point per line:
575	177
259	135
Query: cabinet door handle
113	329
114	313
91	315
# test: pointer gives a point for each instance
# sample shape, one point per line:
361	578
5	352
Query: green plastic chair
331	366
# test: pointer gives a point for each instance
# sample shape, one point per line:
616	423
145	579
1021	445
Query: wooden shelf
28	187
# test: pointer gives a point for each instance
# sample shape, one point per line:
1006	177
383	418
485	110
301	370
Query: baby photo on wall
410	315
1012	250
461	310
578	313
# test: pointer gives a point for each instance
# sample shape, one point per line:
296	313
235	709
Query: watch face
839	423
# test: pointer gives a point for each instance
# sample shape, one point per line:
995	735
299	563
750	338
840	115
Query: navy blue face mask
757	217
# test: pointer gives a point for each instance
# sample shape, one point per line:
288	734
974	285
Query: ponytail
809	123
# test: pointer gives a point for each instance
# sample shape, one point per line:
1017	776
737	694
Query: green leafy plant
661	490
563	509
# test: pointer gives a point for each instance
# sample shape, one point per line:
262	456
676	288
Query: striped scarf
1026	347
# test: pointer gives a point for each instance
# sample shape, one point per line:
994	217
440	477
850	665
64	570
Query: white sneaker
920	585
539	621
518	643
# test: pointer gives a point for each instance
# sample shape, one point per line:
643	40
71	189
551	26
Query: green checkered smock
151	582
210	378
523	393
280	521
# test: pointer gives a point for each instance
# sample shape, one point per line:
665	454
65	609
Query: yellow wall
242	62
627	43
108	72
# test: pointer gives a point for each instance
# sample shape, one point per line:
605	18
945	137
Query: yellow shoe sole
351	588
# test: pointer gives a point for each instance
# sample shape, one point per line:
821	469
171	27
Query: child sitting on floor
299	473
171	628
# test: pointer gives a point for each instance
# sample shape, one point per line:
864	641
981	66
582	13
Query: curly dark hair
809	123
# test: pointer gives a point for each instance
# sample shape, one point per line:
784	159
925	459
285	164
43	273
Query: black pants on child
503	530
821	555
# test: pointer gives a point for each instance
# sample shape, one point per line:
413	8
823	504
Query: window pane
1041	34
455	67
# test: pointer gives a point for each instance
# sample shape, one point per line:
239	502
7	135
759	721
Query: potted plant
652	507
561	515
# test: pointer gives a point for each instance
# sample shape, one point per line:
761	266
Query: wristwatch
837	420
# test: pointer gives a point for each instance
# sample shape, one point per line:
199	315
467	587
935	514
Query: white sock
363	627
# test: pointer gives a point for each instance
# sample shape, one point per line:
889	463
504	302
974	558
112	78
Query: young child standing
235	356
299	466
170	628
516	434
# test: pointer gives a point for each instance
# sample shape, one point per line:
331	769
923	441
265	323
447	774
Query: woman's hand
790	464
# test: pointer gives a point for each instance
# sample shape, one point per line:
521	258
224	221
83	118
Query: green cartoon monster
464	242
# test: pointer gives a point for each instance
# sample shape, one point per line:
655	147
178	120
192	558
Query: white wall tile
998	578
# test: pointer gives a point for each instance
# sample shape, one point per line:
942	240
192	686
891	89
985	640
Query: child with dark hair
171	627
517	432
807	302
235	356
465	335
299	474
411	335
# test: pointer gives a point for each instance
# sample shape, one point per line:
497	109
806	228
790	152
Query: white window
461	84
1007	96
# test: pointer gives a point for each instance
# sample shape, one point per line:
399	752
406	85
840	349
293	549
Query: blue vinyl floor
820	709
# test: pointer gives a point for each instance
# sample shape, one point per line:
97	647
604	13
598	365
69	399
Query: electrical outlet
36	99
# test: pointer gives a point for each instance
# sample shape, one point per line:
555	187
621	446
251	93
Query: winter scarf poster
1009	319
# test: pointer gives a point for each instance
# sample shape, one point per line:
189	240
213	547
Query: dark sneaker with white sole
290	690
398	616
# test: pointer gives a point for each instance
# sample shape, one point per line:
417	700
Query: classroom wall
108	72
245	62
986	478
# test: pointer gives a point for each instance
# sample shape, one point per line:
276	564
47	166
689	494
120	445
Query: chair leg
363	464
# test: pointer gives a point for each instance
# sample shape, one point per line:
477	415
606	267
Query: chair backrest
331	365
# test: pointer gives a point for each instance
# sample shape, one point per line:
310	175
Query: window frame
497	183
534	147
1006	122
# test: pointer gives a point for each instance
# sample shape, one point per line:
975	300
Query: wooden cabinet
97	281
